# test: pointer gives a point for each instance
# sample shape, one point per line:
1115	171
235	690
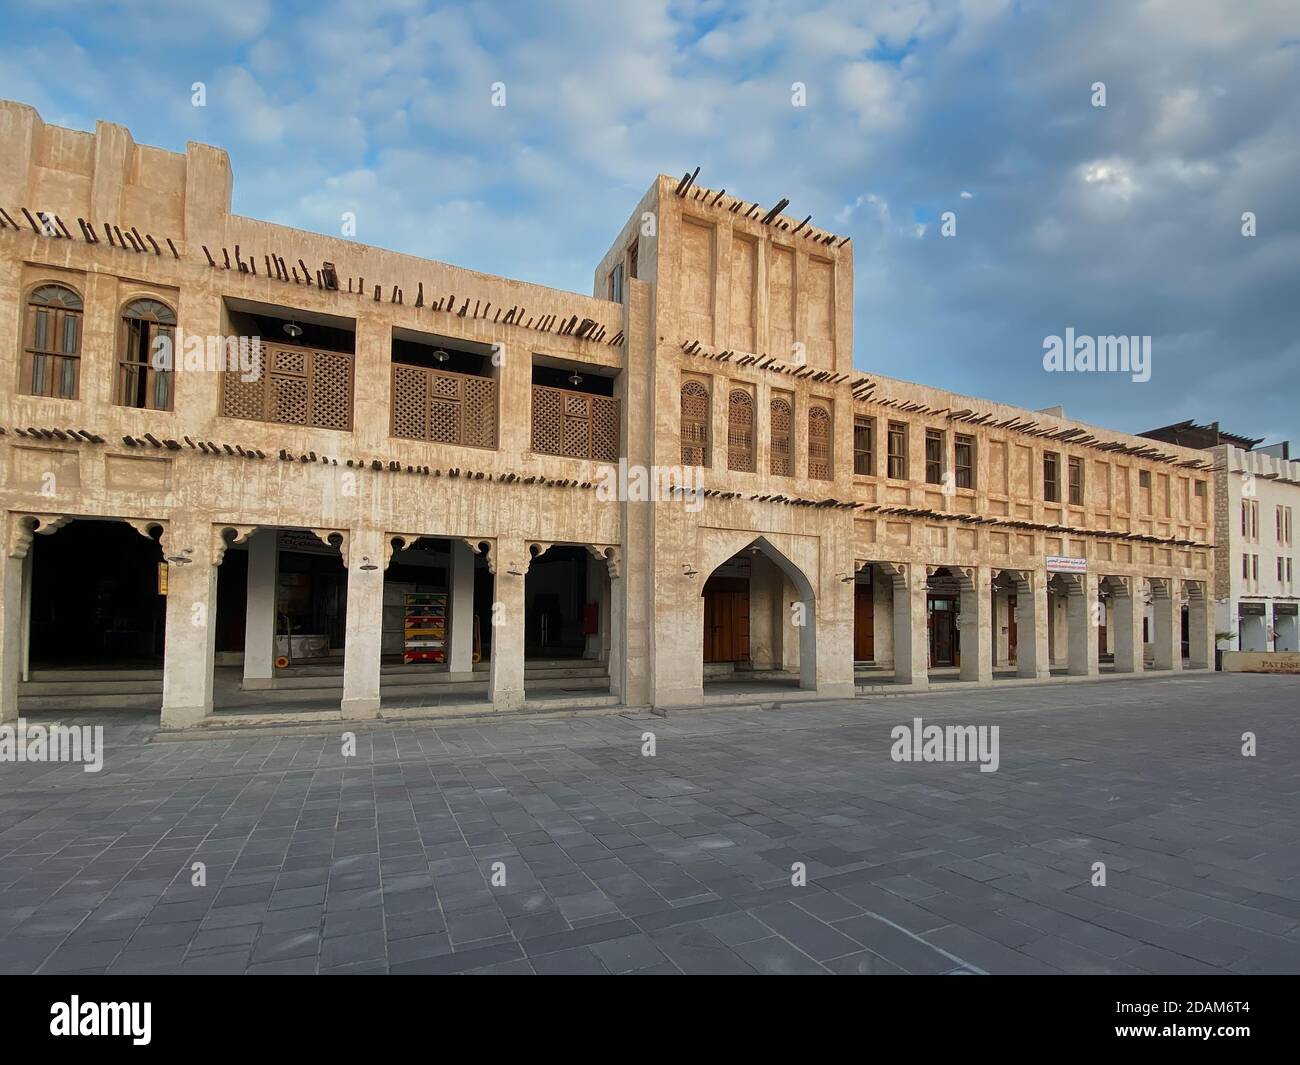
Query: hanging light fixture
575	378
293	329
440	356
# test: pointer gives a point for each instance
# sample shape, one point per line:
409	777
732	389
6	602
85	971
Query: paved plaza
555	845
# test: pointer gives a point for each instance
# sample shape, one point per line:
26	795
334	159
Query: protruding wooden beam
781	206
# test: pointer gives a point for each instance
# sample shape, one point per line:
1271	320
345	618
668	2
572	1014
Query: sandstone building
399	506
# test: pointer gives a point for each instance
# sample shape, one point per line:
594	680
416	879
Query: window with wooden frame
146	355
1076	481
1250	519
616	284
781	453
1051	477
740	431
897	454
819	443
695	424
52	342
633	258
934	456
864	446
963	448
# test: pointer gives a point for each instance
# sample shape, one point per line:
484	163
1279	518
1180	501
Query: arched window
782	419
146	357
740	431
695	424
52	342
819	443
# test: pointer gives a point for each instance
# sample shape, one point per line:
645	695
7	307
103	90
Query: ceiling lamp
575	378
440	356
293	329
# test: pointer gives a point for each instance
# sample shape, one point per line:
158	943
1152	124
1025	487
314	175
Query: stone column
260	616
791	648
808	644
12	567
1083	617
1200	626
461	634
976	622
911	637
1127	610
618	634
363	625
1031	627
506	678
193	552
1166	623
830	614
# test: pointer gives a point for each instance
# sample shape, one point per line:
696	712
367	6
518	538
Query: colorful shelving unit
425	627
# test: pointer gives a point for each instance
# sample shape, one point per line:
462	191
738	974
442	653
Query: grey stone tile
682	865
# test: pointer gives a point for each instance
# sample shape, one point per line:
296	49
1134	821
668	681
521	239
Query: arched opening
567	623
943	611
98	599
759	623
280	621
436	643
1006	633
94	610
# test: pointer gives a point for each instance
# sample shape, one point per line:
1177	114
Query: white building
1255	589
1257	495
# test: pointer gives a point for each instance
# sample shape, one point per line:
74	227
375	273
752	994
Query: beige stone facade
840	510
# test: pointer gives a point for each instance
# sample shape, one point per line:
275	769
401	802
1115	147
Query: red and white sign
1065	564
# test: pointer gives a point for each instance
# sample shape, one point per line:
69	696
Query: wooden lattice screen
695	424
575	424
740	431
819	443
295	386
782	419
446	408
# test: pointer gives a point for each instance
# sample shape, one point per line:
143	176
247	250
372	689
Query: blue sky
1119	220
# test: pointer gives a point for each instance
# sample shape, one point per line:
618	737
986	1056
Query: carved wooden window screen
576	424
782	452
444	408
819	443
740	431
695	424
292	386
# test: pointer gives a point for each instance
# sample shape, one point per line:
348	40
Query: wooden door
726	621
1011	628
864	624
941	638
